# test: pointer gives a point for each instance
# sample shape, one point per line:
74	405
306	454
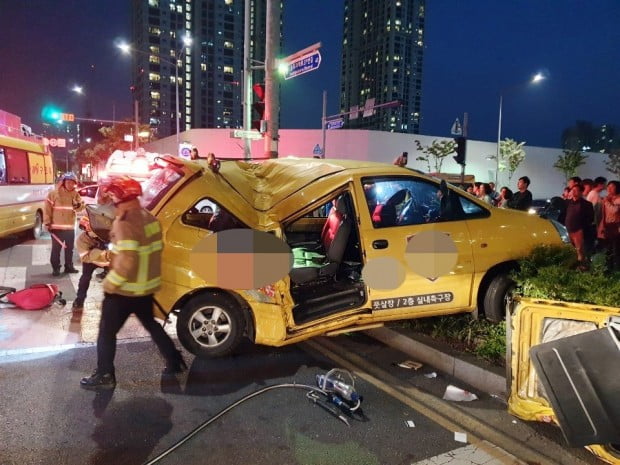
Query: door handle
380	244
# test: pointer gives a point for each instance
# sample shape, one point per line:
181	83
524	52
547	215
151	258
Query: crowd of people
591	218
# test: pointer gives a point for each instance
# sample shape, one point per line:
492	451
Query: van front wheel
210	325
496	297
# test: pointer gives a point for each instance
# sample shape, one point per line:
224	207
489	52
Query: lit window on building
228	44
154	31
179	9
229	69
154	49
154	59
155	95
228	2
203	66
154	77
154	3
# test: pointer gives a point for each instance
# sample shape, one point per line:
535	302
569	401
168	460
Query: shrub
551	272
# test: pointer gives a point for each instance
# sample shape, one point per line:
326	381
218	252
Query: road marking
440	411
40	254
13	276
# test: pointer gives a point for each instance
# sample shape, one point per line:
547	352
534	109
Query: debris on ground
410	364
458	395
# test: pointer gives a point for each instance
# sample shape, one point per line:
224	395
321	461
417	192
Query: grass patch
481	338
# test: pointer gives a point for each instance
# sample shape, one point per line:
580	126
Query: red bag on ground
35	297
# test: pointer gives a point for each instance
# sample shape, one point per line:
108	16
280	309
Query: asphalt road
48	418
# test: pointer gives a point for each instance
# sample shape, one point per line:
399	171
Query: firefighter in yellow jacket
94	254
134	276
59	218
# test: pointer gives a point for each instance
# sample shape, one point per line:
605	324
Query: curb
474	375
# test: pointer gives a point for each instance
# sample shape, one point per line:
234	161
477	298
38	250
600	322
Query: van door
564	360
402	209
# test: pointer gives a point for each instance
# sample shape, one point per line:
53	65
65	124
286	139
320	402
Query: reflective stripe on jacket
60	208
90	251
136	252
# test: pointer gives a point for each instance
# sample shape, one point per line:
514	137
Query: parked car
89	196
352	213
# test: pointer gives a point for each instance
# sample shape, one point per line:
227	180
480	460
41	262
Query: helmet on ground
85	223
124	187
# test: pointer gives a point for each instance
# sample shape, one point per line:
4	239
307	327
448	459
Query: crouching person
94	254
134	276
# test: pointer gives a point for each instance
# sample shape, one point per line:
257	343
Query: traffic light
258	106
461	146
51	114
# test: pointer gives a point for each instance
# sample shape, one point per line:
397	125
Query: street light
179	55
78	89
534	80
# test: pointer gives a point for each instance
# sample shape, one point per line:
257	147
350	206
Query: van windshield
156	187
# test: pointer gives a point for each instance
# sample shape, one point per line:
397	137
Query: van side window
17	166
208	214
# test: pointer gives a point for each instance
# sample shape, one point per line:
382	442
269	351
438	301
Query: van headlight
562	231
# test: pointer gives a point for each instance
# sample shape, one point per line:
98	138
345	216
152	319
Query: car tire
37	229
210	325
495	297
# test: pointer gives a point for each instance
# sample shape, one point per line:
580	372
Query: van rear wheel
210	325
496	297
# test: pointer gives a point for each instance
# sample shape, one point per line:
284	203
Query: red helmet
124	187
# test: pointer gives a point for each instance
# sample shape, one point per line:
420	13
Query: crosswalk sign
317	150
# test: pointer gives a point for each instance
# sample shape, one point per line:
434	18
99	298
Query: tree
569	162
511	155
587	137
436	152
613	162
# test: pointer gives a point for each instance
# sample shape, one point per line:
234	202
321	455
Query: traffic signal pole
247	82
272	97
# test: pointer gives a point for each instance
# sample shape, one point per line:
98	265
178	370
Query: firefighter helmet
68	176
124	188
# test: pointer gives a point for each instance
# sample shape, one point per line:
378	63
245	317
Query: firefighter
94	254
59	218
134	276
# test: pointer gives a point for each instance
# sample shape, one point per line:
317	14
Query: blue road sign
335	123
305	64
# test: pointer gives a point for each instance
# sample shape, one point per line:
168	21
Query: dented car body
337	218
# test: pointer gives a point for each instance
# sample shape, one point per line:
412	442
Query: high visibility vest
135	266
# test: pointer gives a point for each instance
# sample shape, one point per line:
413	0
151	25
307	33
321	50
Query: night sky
475	50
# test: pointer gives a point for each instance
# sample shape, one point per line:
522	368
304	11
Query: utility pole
247	82
272	97
136	129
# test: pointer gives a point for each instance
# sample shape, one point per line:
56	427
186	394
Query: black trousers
87	273
114	312
68	236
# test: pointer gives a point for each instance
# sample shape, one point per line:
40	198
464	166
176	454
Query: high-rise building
382	53
210	70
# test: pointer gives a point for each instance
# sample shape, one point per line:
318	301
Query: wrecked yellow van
564	365
338	218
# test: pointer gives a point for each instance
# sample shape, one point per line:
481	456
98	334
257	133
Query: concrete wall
386	146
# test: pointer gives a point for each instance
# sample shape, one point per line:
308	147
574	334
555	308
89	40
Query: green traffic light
51	114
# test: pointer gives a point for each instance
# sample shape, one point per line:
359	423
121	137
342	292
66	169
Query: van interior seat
385	214
311	264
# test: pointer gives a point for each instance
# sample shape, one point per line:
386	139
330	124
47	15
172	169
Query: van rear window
156	187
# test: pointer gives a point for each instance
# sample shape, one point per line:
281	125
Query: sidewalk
58	328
